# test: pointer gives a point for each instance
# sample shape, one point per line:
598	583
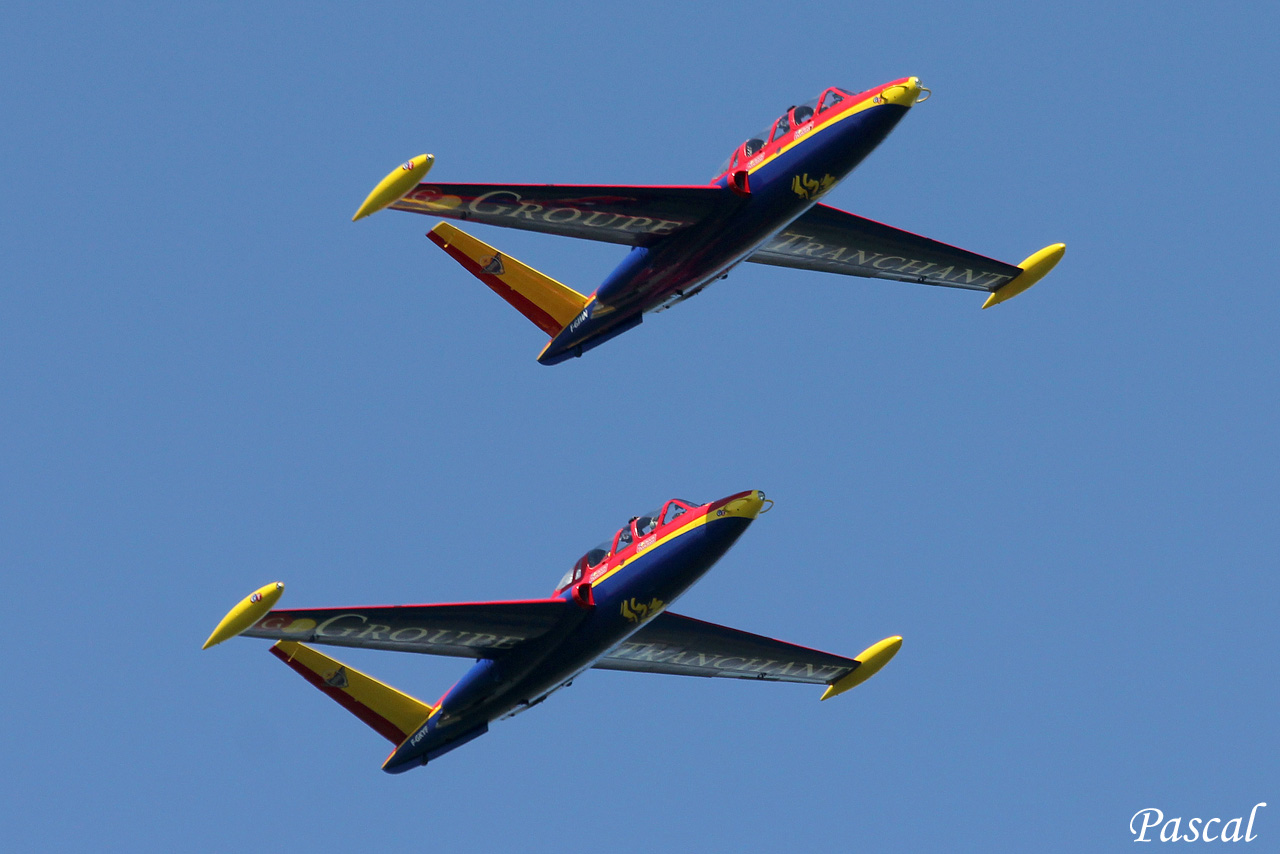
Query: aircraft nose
744	505
904	93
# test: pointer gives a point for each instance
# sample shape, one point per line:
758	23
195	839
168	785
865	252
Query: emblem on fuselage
807	188
636	612
494	266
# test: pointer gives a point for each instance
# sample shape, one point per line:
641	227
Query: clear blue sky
211	379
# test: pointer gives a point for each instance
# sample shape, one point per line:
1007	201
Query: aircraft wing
632	216
834	241
682	646
470	630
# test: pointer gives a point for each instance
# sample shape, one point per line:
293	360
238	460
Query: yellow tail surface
546	302
392	714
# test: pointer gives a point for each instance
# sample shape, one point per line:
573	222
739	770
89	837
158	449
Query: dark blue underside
487	692
688	260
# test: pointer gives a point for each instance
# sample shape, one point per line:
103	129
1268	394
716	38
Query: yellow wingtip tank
871	660
393	188
1034	269
249	610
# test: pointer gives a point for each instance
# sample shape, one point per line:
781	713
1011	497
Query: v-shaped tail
547	303
392	714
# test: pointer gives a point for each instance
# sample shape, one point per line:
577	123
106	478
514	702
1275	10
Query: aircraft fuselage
613	602
773	189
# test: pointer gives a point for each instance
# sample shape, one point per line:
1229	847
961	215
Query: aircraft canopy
636	529
793	118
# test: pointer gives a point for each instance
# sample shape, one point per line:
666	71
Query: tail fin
546	302
393	715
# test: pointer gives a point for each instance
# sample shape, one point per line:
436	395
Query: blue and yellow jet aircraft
609	611
762	206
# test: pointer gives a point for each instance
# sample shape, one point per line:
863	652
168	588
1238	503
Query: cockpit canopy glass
783	127
647	522
789	121
639	526
624	538
831	97
756	141
804	112
675	508
591	559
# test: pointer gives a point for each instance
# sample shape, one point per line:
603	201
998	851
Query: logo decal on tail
337	679
493	266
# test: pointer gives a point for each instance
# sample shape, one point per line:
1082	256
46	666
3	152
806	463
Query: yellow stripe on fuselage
661	541
862	105
731	509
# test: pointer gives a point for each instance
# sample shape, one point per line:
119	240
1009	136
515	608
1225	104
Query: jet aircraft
762	207
609	611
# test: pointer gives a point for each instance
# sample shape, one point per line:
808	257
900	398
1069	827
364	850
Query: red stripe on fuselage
820	121
660	533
